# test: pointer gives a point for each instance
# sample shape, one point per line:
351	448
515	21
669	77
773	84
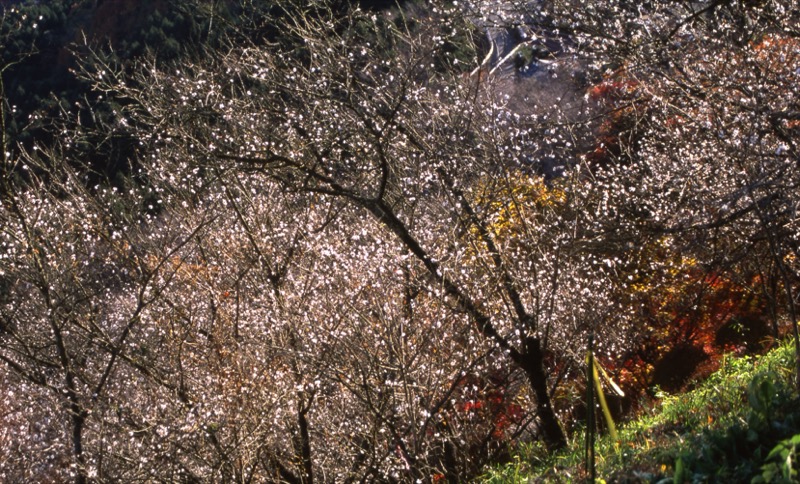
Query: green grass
742	424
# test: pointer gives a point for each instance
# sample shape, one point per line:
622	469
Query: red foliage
688	330
488	399
619	94
612	90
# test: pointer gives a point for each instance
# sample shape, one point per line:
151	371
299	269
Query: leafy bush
781	463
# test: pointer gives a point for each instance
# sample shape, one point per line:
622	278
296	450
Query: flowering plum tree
77	273
439	164
709	150
354	111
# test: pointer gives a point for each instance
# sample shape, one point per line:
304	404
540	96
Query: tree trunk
305	441
78	419
532	362
530	359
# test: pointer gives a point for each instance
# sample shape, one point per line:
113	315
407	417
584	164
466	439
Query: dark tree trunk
530	359
305	443
78	419
532	362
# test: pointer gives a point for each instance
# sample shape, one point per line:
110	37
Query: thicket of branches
337	254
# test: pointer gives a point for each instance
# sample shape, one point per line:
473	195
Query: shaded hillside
43	42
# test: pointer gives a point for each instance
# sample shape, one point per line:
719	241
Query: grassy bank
740	425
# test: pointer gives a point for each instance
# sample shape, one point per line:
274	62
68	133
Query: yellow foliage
520	198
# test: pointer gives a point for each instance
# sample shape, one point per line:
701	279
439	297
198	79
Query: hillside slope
740	425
